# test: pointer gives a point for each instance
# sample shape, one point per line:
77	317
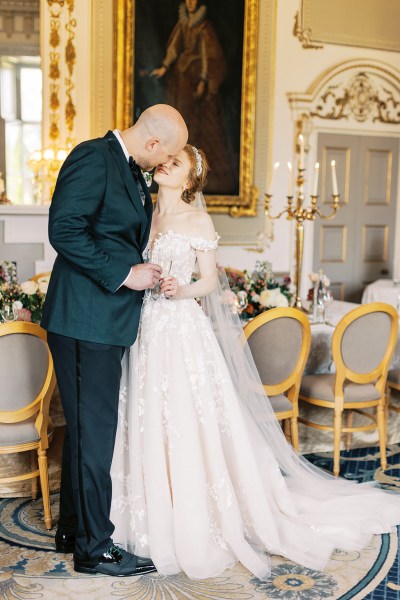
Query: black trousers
88	376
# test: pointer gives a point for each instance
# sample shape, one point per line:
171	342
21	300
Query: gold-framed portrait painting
199	56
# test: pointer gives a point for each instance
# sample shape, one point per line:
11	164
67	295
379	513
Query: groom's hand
143	277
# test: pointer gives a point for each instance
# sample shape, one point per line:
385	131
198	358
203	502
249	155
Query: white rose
256	298
17	305
274	298
264	298
43	287
29	287
280	300
313	277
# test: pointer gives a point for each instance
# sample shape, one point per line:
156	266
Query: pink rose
24	314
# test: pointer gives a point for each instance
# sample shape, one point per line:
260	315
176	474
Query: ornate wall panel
19	27
366	23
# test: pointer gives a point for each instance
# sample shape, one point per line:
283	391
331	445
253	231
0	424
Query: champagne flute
328	299
241	301
164	261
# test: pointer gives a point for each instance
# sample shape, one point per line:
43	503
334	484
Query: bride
202	474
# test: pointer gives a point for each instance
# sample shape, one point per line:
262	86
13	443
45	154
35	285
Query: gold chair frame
40	407
378	377
391	385
40	276
291	385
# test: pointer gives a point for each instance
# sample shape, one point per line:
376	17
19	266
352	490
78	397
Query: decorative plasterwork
303	34
358	91
19	25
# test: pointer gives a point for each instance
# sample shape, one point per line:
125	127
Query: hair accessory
199	162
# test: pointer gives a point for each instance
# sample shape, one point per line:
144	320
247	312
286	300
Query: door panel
357	246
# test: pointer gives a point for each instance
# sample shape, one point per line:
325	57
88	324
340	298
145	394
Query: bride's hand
169	287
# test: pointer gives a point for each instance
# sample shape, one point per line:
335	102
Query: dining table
383	290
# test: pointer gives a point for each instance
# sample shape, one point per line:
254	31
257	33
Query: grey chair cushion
322	386
275	347
280	403
394	376
23	368
365	341
12	434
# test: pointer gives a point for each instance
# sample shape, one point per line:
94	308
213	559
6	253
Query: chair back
26	371
43	275
364	341
279	340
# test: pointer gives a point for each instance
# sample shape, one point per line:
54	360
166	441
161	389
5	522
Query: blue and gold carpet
31	570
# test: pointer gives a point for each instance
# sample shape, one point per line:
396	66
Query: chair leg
34	488
44	483
382	436
337	429
294	428
286	429
349	423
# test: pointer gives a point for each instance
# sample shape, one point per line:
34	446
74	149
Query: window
21	111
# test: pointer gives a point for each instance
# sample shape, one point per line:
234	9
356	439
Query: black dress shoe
115	562
65	542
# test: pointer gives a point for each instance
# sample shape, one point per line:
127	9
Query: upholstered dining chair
234	272
393	383
279	340
362	348
28	380
40	276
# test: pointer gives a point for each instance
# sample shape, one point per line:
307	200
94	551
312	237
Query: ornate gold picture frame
243	202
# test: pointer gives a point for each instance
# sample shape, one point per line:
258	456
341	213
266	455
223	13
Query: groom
99	225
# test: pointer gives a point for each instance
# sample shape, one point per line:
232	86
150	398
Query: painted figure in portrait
191	73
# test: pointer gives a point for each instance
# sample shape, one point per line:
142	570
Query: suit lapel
129	181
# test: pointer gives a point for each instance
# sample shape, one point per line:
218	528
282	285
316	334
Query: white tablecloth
382	290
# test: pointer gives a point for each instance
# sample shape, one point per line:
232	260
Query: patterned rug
30	569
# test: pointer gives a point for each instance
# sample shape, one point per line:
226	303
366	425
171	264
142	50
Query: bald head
159	133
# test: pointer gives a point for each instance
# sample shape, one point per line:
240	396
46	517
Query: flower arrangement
26	299
262	289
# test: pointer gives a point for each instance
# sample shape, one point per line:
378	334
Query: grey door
357	246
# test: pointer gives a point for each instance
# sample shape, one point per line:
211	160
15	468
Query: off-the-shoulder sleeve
199	243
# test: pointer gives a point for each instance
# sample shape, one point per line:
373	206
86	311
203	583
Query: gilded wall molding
56	7
70	58
355	91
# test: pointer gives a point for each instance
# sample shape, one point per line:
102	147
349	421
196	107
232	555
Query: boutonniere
148	177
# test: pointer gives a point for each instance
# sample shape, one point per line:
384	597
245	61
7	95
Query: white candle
334	180
316	173
290	186
276	166
301	159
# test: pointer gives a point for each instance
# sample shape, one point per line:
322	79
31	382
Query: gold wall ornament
54	67
245	203
70	58
303	34
360	99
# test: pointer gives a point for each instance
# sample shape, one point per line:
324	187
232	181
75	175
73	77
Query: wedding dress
198	484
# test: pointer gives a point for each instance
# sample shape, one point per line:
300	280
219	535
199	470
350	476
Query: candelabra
45	165
295	210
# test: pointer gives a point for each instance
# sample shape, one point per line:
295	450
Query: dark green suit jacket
99	228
